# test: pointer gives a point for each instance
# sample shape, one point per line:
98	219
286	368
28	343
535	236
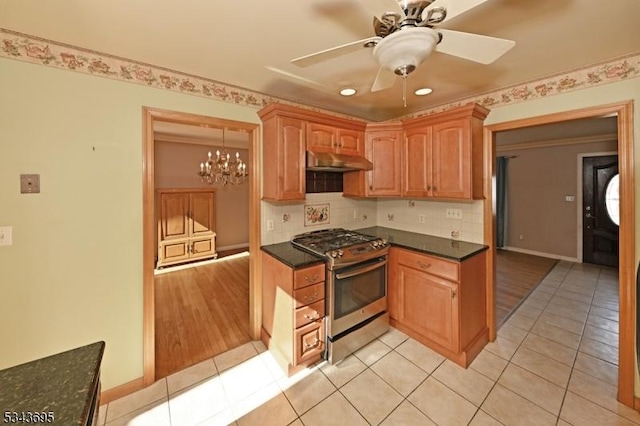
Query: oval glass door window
612	199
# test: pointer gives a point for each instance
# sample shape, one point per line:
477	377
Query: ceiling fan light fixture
348	91
402	51
423	91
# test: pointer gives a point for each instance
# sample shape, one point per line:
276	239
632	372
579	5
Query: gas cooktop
341	246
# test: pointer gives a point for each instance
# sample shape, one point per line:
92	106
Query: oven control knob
384	242
333	253
340	253
374	244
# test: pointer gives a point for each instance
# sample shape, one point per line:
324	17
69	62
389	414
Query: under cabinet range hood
332	162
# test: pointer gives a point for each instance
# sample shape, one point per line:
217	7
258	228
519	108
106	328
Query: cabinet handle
315	344
370	187
313	316
312	279
453	294
423	265
312	297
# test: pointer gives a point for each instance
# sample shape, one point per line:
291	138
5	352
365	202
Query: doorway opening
626	270
151	118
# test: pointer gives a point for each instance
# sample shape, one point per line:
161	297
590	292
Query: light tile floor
554	362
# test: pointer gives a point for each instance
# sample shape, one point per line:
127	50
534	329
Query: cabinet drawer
430	264
308	295
309	313
309	341
307	276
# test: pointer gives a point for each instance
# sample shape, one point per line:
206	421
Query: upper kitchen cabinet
443	154
383	148
288	132
329	138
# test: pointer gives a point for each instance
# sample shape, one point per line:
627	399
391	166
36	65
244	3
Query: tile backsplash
288	217
407	215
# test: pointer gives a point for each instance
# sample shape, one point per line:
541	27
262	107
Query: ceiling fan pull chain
404	90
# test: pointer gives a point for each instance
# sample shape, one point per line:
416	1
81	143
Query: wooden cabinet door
290	165
417	163
383	149
350	142
451	149
428	305
321	137
201	214
173	216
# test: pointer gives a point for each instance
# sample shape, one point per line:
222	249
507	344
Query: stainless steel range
356	287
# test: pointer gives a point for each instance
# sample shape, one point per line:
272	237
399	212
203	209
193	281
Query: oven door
355	294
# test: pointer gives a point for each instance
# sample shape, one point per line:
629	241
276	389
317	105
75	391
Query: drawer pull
314	316
424	265
311	297
314	344
312	279
453	294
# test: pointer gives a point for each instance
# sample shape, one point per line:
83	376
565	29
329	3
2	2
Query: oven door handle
361	270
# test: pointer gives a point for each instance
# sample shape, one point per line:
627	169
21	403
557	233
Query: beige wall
176	165
539	219
74	272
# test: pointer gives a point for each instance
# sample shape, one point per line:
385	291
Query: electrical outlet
270	224
455	234
286	217
390	217
421	218
5	236
454	213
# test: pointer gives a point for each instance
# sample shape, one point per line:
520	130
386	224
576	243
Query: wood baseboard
120	391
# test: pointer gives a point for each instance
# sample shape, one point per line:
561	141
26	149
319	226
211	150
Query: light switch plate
5	235
29	184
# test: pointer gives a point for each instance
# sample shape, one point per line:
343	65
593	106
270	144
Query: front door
600	210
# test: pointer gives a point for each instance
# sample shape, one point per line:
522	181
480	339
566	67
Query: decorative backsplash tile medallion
316	214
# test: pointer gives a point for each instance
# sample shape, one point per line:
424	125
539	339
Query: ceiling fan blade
334	52
380	7
384	80
454	7
474	47
299	79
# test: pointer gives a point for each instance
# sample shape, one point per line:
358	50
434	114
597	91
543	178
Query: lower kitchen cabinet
439	302
293	310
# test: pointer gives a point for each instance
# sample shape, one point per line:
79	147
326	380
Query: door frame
626	270
579	196
149	117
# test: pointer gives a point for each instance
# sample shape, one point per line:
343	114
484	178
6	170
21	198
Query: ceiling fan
406	35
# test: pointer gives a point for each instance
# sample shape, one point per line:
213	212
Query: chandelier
224	169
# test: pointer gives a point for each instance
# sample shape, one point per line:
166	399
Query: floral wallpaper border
23	47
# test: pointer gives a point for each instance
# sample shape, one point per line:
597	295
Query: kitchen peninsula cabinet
288	132
293	310
440	302
186	225
383	148
443	154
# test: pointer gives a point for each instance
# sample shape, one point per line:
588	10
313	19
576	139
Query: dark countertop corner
63	384
428	244
290	255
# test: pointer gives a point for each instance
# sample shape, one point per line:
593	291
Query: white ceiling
234	43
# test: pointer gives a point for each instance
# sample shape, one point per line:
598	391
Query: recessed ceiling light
423	91
348	91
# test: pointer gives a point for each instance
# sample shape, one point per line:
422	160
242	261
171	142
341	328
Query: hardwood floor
516	275
201	310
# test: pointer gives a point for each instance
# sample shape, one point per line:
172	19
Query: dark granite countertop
294	257
428	244
62	384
